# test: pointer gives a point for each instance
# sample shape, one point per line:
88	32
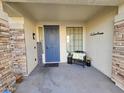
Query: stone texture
18	51
118	55
7	78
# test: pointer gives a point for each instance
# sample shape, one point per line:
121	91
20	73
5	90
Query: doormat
52	65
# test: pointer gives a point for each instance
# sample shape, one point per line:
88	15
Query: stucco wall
16	22
99	47
31	52
120	15
63	25
121	9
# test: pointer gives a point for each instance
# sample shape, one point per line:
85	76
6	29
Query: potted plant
69	58
88	61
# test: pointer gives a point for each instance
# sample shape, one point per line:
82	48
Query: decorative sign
96	33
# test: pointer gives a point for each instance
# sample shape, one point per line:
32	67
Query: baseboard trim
119	85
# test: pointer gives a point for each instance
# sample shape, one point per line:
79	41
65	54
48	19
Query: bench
79	57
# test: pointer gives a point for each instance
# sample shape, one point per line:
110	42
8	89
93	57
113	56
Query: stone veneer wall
118	55
7	78
18	51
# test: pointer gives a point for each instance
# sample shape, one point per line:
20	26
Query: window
74	39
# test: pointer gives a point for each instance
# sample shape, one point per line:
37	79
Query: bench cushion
78	56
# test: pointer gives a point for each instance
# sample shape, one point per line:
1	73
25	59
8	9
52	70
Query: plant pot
88	63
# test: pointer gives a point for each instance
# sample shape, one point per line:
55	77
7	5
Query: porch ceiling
80	2
57	12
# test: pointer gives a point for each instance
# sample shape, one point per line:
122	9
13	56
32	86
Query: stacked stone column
7	78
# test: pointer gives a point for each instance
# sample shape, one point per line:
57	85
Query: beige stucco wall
1	6
121	9
31	52
99	47
16	22
120	15
63	25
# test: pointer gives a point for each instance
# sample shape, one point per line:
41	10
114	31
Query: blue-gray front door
52	43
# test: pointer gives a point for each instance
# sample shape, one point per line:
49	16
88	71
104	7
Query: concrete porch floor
67	79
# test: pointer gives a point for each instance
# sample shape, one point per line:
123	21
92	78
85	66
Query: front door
52	44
